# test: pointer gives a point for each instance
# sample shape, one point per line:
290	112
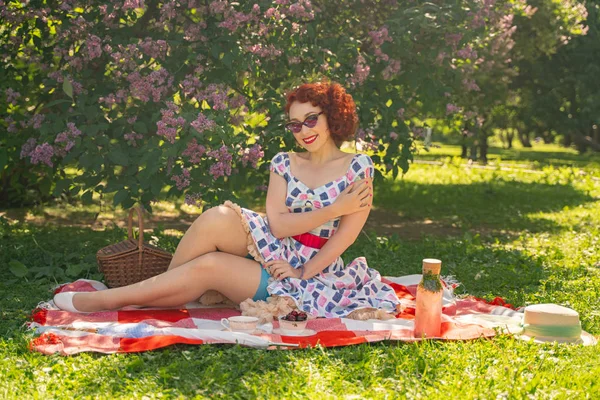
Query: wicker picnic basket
131	260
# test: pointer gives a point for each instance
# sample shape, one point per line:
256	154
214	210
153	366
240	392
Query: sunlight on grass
528	237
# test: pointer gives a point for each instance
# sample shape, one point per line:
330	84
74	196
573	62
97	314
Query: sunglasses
310	121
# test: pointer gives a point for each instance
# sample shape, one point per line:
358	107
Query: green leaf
120	197
68	88
156	186
61	186
128	203
3	158
61	101
86	198
118	157
140	127
18	268
74	270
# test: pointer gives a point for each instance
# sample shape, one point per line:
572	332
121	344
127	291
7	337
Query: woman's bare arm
350	227
285	224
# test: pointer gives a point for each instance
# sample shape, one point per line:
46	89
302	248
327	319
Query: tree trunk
580	143
510	135
464	154
483	146
524	137
568	140
473	155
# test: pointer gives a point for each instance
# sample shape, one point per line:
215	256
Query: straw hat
554	323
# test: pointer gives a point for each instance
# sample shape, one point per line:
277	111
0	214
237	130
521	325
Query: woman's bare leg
218	228
235	277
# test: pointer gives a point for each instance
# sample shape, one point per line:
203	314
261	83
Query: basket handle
140	229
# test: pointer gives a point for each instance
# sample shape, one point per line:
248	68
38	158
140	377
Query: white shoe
64	301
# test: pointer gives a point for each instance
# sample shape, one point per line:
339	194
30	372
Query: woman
293	252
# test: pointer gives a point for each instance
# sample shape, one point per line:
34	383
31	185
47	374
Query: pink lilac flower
252	155
37	120
237	101
269	51
217	7
12	96
380	36
154	48
236	120
223	165
262	188
42	153
194	151
132	138
132	120
216	94
12	125
94	47
393	135
194	32
193	199
132	4
400	113
301	9
392	69
182	181
467	53
68	138
380	55
155	85
361	71
451	108
470	85
169	124
28	147
202	123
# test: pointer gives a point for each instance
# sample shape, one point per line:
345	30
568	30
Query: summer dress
339	289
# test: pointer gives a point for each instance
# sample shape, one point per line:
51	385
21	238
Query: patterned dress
339	289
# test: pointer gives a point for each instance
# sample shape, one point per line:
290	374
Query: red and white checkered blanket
134	329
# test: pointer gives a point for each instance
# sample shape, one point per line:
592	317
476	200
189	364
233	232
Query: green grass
528	237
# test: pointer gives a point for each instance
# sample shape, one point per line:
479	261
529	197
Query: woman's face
310	138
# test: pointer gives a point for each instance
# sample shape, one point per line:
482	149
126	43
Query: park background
178	106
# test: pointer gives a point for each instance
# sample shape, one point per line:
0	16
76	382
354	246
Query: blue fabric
261	292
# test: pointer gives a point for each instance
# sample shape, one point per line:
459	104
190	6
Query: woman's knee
215	217
206	263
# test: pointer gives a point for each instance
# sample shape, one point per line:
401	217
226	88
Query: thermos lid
432	266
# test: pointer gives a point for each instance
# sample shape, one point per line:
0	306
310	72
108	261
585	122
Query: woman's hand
356	197
281	269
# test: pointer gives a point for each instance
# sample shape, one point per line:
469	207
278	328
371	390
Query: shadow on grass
483	269
532	155
492	206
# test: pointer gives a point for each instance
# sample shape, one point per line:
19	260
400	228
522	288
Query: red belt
310	240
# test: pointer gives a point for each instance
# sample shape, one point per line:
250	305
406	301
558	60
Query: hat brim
585	339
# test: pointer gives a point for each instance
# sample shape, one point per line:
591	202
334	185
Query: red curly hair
338	107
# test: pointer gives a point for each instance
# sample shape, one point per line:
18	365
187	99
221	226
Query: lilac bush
154	99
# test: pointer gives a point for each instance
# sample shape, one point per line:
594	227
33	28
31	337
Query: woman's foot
78	302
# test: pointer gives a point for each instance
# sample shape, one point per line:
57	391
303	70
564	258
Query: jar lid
432	266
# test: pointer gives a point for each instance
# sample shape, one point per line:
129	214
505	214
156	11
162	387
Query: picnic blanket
137	329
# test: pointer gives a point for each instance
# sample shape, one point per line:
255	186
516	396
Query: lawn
527	228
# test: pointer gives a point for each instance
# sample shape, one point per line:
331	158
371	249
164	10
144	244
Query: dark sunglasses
309	121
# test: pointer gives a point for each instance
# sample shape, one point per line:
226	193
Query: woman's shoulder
280	157
361	160
362	166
